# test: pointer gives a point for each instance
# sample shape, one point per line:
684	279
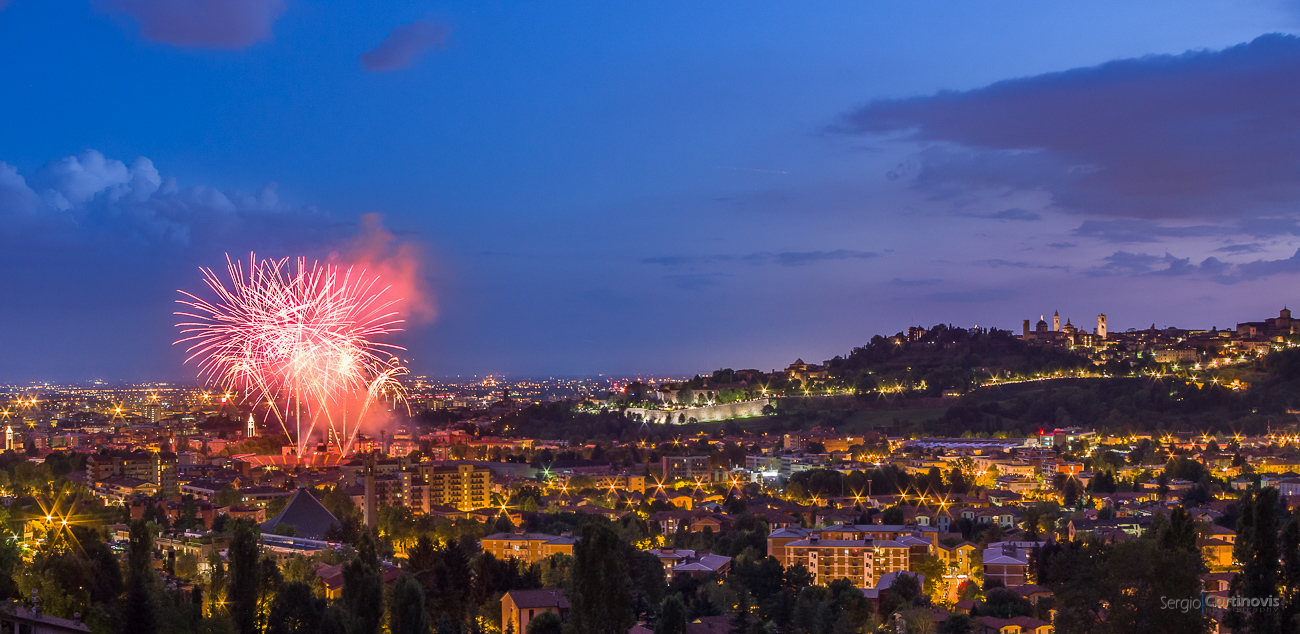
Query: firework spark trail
299	338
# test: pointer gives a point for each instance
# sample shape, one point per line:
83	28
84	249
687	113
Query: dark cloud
1205	134
902	282
1000	263
1128	230
201	23
785	258
1008	214
1062	245
1213	269
1241	248
404	45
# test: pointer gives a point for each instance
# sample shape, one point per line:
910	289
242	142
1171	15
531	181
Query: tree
245	572
407	615
1178	533
1289	542
295	610
740	618
140	615
1258	551
269	581
601	599
1122	587
546	623
932	568
447	583
672	616
363	595
957	624
1004	604
421	556
893	515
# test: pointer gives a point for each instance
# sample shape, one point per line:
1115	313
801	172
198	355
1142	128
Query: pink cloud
231	24
404	45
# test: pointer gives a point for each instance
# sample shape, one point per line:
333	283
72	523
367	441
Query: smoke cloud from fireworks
397	263
299	340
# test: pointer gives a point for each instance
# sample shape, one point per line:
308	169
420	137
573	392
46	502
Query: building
518	607
686	468
1280	326
309	518
691	563
830	559
18	619
889	556
527	547
157	467
1008	562
603	482
121	488
460	485
1017	625
804	373
957	559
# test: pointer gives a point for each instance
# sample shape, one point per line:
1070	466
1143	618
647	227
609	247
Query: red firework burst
299	337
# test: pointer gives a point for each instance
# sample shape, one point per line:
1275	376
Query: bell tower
1101	326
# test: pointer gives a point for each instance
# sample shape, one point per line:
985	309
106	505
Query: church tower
9	438
1056	321
1101	326
251	432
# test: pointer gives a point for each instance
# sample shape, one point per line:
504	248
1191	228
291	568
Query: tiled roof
544	598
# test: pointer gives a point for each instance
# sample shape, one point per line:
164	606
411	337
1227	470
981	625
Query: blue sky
662	187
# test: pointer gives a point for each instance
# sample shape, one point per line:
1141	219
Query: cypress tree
601	595
245	576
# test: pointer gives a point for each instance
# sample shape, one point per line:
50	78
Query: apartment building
831	559
464	486
156	467
686	468
527	547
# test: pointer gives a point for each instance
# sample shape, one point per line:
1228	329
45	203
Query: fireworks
299	340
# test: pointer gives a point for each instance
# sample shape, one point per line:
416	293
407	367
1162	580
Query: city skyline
609	191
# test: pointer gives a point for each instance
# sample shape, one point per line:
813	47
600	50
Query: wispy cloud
1000	263
1007	214
404	45
233	24
784	258
1241	248
1128	230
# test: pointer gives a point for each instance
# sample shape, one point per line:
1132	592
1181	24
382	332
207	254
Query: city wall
700	414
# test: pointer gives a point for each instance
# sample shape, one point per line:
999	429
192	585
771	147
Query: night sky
646	187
